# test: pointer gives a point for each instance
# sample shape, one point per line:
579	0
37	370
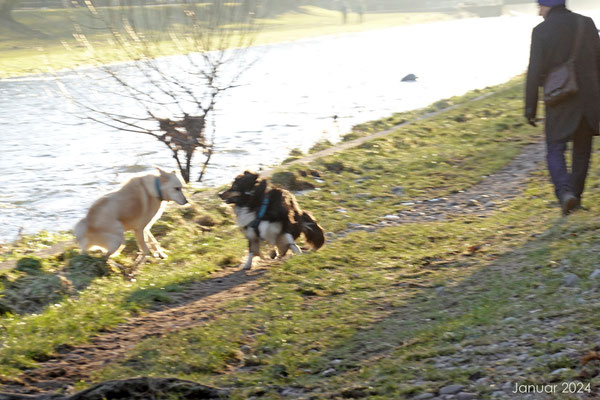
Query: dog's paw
247	265
273	254
160	254
295	249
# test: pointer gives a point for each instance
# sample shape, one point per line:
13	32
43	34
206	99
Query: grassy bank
74	37
477	301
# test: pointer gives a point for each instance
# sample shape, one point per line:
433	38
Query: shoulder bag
561	81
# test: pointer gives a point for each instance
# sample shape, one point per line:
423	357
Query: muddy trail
202	301
479	200
199	303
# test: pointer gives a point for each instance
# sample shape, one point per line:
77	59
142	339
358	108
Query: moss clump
29	293
83	269
335	166
5	308
190	212
320	145
29	265
291	181
296	153
206	220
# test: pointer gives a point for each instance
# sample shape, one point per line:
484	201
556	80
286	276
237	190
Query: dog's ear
177	175
250	174
262	186
161	171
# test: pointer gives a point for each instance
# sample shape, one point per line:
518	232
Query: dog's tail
312	230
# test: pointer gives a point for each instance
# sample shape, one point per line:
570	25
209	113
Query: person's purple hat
552	3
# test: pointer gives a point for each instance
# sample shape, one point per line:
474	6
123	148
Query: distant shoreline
21	57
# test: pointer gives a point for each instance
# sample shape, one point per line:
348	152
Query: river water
53	164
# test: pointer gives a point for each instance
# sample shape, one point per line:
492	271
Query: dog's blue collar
157	186
261	212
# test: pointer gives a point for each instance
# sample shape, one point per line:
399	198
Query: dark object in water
409	78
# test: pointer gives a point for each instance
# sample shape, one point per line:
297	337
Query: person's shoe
568	202
579	207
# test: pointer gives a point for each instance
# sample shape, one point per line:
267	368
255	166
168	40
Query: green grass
367	305
59	49
30	243
369	301
430	159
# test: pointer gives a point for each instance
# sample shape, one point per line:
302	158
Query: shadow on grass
182	293
31	285
419	347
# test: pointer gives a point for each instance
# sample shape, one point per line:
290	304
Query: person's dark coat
551	45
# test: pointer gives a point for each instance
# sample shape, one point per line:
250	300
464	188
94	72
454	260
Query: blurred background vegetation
42	36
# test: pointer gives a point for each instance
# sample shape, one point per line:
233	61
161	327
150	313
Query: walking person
564	36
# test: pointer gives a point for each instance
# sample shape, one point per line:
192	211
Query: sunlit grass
366	304
194	253
26	244
432	158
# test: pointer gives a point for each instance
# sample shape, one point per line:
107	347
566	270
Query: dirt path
200	303
480	199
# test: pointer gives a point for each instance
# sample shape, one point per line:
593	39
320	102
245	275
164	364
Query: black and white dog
271	214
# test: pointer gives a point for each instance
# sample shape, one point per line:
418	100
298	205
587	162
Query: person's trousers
564	181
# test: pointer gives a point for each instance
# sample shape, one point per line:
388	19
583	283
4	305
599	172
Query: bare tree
172	99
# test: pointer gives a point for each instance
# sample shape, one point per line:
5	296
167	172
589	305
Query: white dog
136	206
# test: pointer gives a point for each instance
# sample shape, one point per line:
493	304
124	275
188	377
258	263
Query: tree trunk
188	165
208	157
184	170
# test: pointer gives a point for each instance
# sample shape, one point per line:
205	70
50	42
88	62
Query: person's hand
530	116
